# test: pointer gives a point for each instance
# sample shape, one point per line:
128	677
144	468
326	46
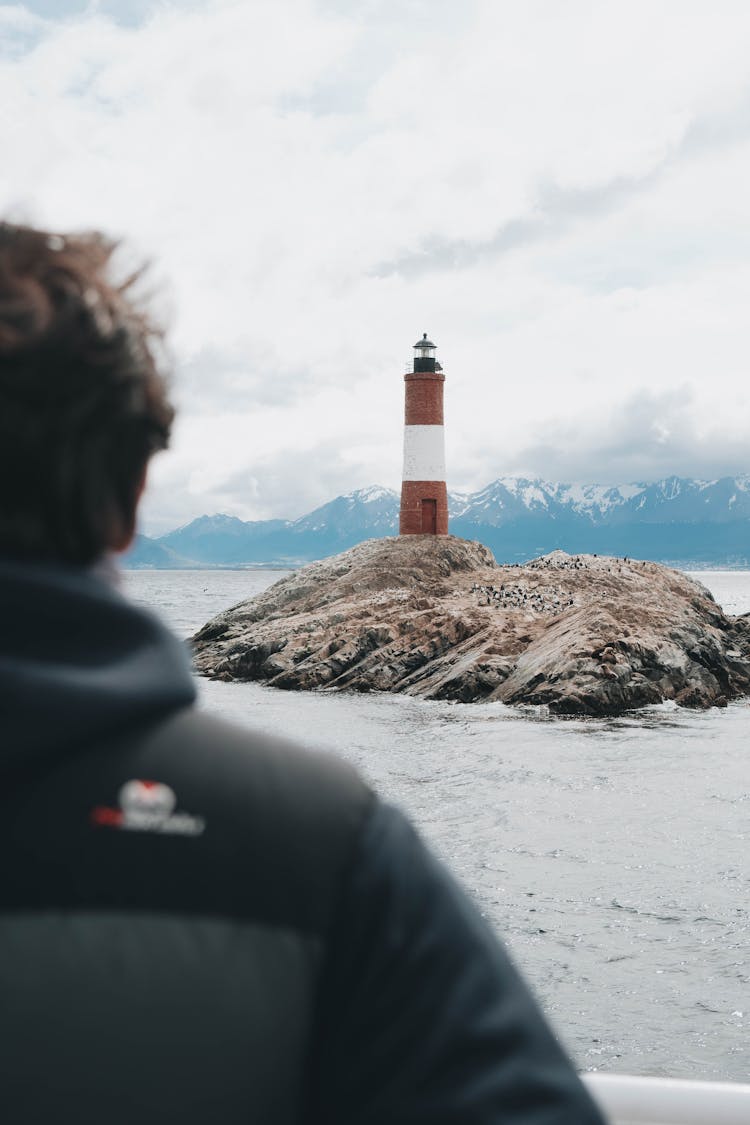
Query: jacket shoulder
193	815
249	765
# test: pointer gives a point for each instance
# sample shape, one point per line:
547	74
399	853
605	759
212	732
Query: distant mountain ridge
677	520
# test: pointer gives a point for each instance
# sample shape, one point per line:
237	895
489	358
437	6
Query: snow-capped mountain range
674	498
676	520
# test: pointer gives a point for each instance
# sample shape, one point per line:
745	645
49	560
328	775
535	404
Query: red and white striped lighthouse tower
424	496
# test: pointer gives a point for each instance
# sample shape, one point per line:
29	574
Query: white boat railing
629	1100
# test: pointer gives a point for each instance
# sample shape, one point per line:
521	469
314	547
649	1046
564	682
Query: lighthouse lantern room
424	496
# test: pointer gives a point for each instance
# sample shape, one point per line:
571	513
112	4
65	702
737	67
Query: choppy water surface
612	855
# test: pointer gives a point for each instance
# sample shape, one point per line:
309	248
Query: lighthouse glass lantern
424	497
424	354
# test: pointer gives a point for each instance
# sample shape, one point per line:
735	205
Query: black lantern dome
424	354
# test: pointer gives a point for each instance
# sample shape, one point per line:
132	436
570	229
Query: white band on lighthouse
424	453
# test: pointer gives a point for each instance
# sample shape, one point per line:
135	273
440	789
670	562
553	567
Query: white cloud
646	437
557	193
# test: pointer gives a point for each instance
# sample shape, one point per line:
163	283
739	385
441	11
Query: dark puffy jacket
202	924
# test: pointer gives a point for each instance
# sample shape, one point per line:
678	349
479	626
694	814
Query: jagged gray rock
438	618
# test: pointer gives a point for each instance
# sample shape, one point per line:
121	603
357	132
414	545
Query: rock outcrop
438	618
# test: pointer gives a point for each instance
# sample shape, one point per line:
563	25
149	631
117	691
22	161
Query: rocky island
437	617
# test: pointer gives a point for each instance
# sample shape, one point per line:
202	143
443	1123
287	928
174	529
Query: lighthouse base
424	508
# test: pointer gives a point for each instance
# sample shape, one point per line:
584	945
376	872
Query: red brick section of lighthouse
424	502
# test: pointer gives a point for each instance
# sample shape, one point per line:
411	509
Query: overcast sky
557	191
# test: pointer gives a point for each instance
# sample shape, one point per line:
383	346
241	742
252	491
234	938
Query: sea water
610	854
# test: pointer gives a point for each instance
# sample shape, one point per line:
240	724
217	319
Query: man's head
83	404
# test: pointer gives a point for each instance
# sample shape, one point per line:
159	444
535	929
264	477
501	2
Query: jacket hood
79	662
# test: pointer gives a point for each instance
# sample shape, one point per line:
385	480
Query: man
198	923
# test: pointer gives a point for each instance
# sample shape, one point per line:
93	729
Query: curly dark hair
83	403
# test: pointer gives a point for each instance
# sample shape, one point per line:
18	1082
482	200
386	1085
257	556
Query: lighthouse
424	497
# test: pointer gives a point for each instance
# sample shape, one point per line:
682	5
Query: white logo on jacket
147	806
